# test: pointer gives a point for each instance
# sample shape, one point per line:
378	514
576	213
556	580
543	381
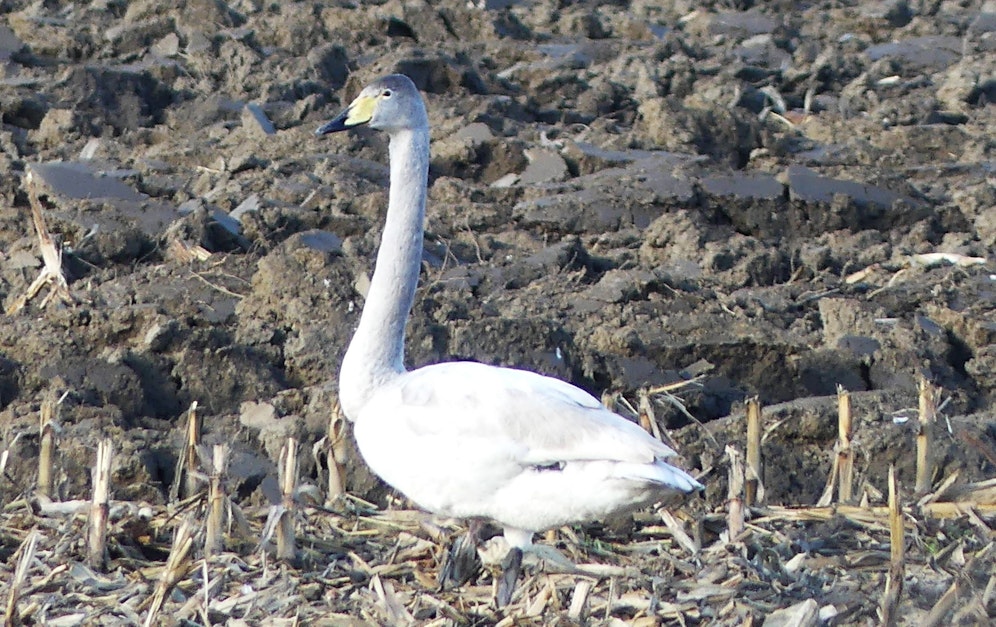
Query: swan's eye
386	93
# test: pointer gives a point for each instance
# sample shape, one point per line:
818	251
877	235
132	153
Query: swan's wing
544	420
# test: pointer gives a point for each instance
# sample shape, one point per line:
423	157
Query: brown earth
623	195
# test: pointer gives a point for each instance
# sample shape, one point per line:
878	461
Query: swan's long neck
376	352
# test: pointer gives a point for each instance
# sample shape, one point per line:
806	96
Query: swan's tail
662	474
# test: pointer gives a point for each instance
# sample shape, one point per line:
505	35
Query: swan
464	439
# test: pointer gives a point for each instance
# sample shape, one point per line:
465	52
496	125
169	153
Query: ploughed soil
772	199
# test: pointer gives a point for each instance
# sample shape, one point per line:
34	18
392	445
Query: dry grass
357	565
205	560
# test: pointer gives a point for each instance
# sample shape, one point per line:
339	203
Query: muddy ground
623	194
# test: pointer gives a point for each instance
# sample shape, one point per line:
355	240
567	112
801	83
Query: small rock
258	416
808	186
931	52
168	46
250	204
244	158
858	345
9	44
247	468
321	241
966	82
226	221
54	127
459	279
590	158
272	429
984	22
545	166
77	180
618	286
828	613
649	186
197	43
89	151
754	186
843	317
475	132
929	326
741	23
255	119
508	180
130	36
20	259
802	614
568	254
762	52
158	336
896	12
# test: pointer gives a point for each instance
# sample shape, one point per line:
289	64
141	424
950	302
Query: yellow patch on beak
361	110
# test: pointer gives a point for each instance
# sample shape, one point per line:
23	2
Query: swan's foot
511	567
462	562
514	559
551	560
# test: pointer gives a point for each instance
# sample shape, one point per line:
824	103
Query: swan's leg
511	567
519	541
462	563
551	559
523	553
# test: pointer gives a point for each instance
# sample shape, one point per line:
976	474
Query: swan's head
391	103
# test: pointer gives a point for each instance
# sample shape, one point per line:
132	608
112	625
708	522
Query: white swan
465	439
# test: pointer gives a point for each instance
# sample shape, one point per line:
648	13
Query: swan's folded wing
544	419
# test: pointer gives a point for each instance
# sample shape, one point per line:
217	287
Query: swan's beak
359	112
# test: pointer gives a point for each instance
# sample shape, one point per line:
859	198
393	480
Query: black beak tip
326	128
335	125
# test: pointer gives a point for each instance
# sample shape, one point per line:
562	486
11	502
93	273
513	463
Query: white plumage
465	439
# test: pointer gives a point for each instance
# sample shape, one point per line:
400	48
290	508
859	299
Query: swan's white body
466	439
